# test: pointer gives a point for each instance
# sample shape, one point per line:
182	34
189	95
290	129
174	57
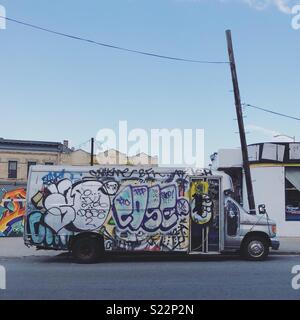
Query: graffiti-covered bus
90	211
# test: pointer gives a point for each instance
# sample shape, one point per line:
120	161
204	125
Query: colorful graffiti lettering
53	177
149	209
44	236
176	240
12	210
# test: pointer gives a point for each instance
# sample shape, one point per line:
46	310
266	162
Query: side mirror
262	209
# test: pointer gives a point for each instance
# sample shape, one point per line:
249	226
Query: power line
110	45
271	111
82	144
99	144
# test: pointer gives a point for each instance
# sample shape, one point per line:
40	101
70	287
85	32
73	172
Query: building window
12	169
29	164
49	163
292	193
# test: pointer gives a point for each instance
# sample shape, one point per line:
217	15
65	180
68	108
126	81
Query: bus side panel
149	217
39	230
135	210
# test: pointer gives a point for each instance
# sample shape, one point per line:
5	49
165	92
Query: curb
295	253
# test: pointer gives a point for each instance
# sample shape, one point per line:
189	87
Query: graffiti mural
149	209
66	207
44	236
205	214
82	206
202	203
12	210
134	209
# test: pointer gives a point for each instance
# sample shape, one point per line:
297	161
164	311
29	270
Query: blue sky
53	88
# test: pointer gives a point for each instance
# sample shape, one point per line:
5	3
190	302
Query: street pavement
32	274
158	278
145	277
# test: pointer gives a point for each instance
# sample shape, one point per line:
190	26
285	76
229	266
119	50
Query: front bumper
275	243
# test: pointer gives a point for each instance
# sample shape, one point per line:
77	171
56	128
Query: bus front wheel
255	248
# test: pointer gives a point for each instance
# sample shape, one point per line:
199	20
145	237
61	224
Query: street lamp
284	135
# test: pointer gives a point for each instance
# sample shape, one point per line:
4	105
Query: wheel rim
256	249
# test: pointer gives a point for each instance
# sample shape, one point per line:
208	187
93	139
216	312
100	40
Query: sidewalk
288	246
15	248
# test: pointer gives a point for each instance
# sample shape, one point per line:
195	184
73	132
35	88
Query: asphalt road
134	278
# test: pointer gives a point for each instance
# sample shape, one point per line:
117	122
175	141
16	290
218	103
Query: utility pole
238	105
92	151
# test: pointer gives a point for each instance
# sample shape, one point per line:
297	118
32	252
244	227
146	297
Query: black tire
87	250
255	248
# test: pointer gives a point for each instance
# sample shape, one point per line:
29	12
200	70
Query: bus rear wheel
87	250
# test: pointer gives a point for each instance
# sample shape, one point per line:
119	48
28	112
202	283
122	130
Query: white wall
269	189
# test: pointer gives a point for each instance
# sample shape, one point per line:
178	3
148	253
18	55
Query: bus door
205	199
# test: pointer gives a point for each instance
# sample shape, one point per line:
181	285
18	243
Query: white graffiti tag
85	204
58	204
202	209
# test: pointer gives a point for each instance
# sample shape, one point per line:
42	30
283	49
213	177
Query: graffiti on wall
12	210
133	209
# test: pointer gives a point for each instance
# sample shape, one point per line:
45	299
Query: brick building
16	157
